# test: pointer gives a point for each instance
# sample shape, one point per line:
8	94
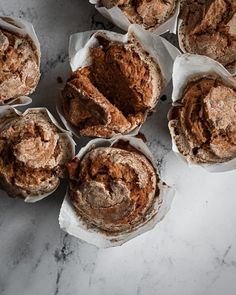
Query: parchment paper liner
71	223
7	110
187	67
117	17
161	51
24	29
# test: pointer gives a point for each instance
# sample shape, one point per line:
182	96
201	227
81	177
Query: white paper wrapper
19	102
161	51
186	68
8	110
117	17
22	28
70	222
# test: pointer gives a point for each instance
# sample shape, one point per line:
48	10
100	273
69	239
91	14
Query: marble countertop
192	251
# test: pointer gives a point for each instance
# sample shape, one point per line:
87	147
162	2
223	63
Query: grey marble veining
192	251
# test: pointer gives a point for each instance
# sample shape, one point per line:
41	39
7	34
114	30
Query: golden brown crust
113	94
19	66
33	154
203	122
113	188
209	28
148	13
91	111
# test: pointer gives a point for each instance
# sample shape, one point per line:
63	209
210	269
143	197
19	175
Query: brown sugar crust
149	13
33	154
203	122
113	189
19	66
113	94
209	28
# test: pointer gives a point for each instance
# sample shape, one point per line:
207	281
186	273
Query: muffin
203	121
209	28
114	189
148	13
19	62
113	94
33	154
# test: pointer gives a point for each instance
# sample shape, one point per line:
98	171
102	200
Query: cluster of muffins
115	191
34	149
114	187
206	27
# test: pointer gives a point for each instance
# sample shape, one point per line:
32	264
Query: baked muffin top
209	28
113	94
19	65
113	188
203	121
33	153
148	13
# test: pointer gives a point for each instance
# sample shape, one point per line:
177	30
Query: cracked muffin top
33	154
209	28
203	121
148	13
113	188
114	93
19	65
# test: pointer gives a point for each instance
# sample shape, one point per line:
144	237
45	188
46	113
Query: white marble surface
192	251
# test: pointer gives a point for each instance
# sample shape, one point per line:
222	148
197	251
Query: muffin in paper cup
117	79
115	192
19	61
203	117
209	28
34	151
156	16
